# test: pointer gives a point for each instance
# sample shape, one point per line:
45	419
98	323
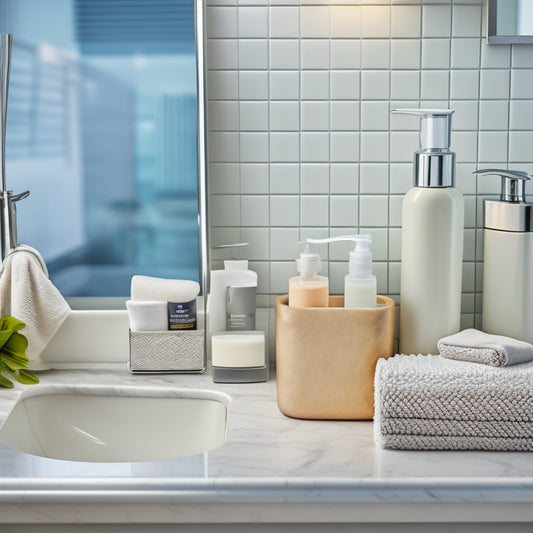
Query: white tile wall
301	140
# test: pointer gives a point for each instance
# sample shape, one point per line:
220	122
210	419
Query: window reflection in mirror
102	129
510	21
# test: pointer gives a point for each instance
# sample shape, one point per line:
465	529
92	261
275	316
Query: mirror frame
493	38
114	303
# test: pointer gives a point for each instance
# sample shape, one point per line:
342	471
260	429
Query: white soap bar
238	349
147	316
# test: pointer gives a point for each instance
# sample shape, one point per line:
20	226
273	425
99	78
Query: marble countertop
267	458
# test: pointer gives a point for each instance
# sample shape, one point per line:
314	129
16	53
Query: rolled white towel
166	290
479	347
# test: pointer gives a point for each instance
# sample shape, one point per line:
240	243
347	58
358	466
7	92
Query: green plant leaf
10	323
4	382
26	378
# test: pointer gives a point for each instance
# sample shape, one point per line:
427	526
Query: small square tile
373	211
253	116
280	272
494	84
344	178
253	147
344	116
469	279
469	245
375	54
315	116
315	147
253	85
495	56
376	22
252	21
436	20
403	145
315	85
466	114
225	210
223	85
466	21
221	22
375	116
492	146
374	146
521	114
314	211
223	147
344	85
224	178
284	245
405	21
258	248
405	85
521	83
283	86
493	114
343	211
380	243
222	54
394	278
405	53
314	54
520	143
284	21
284	211
314	178
254	211
465	181
314	21
374	178
284	178
395	244
464	144
344	147
253	54
223	116
284	54
284	116
401	177
345	54
466	53
375	85
464	84
521	54
345	21
254	178
435	53
284	147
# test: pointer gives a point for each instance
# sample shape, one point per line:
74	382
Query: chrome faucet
8	217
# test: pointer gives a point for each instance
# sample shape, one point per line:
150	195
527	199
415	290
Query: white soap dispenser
508	259
432	240
360	285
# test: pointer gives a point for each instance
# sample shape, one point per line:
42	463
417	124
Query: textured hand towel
27	294
431	403
478	347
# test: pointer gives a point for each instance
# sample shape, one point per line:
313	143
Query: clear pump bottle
360	285
432	240
508	259
308	289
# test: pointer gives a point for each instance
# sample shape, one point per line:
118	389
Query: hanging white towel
27	294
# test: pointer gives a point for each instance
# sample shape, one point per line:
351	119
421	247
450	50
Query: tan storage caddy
326	358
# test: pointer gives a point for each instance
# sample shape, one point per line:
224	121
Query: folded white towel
478	347
165	290
27	294
432	403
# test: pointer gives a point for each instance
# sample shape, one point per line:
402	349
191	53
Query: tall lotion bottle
508	259
432	240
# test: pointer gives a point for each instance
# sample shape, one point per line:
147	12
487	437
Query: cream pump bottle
308	289
508	259
360	285
432	240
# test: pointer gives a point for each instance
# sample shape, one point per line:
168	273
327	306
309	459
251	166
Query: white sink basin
116	424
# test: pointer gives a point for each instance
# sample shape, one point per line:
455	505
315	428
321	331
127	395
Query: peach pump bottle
308	289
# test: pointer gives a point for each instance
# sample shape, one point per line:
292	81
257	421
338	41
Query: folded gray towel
429	402
478	347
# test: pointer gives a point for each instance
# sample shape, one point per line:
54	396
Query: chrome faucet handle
6	43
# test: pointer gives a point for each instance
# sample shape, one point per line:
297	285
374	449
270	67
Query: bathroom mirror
106	129
510	21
